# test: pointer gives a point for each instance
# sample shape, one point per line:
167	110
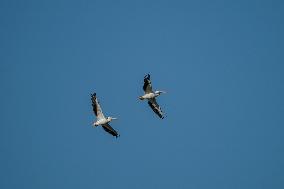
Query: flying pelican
151	96
101	119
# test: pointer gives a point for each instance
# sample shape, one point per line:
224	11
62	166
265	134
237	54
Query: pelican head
159	92
111	118
95	124
141	97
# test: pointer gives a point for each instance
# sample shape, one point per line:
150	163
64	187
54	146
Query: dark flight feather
147	87
156	108
94	104
110	130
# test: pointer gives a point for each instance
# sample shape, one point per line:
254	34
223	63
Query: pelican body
151	96
101	119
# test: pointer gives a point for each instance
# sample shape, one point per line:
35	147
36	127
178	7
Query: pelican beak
163	91
113	118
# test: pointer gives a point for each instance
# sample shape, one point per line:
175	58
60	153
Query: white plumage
101	119
151	96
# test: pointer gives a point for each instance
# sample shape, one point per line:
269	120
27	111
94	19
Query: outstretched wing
147	87
96	107
110	130
155	107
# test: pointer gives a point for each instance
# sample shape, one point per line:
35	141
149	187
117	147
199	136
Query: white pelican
101	119
151	96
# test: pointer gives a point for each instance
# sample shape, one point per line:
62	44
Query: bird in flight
101	119
151	96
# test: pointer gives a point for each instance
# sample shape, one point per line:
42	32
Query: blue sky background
221	63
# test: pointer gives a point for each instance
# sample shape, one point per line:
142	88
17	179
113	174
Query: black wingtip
162	117
147	76
93	95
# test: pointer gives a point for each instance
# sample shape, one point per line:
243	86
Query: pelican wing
110	130
147	87
155	107
96	107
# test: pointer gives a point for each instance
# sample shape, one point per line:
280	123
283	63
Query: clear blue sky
221	63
